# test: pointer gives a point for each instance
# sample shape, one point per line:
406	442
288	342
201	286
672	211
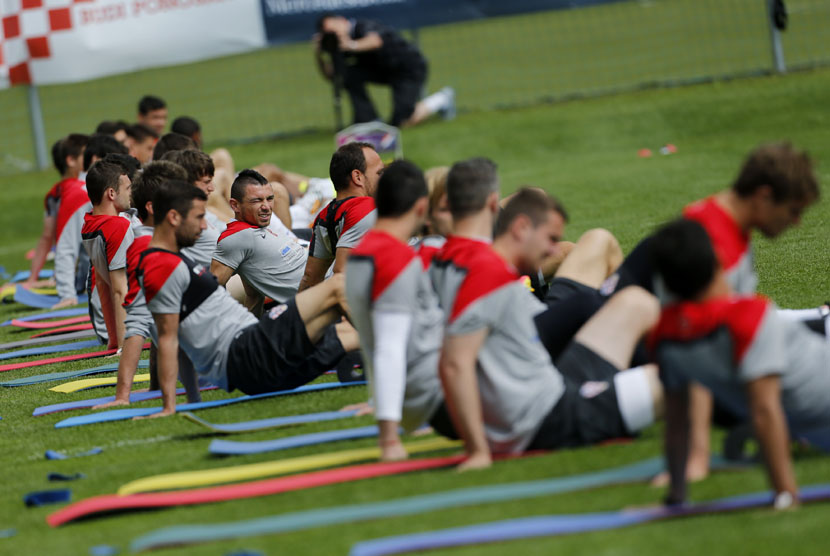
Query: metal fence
492	63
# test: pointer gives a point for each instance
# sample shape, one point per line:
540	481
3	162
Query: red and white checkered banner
61	41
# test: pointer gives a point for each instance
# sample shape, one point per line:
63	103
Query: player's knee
635	300
281	196
222	159
601	239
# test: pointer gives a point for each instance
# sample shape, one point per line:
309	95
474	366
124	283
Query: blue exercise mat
231	448
353	513
52	454
557	525
43	350
122	414
32	299
51	377
22	275
50	315
262	424
77	335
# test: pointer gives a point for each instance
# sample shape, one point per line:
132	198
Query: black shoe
350	367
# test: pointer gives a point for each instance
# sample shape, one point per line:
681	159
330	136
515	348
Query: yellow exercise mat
190	479
7	293
76	385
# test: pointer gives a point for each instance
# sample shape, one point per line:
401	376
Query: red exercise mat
41	325
61	330
113	502
76	357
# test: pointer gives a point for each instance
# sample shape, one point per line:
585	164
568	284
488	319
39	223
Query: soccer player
141	140
763	366
152	112
199	167
117	129
139	324
377	54
172	142
106	237
289	346
68	159
396	311
271	264
187	126
503	392
355	169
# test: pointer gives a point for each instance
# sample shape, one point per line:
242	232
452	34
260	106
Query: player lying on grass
761	365
139	322
271	264
290	345
355	169
502	389
396	310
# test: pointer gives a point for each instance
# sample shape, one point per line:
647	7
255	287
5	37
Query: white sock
634	398
801	314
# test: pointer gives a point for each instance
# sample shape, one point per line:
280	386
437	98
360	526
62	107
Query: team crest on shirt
275	313
610	284
593	388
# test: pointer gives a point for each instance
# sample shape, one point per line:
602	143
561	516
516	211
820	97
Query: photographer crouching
355	52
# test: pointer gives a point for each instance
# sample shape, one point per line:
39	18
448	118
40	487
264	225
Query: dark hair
787	171
58	161
109	127
175	195
140	133
71	145
128	163
185	125
347	158
196	163
243	180
150	179
682	254
400	186
148	103
101	145
531	202
322	19
173	142
469	183
102	176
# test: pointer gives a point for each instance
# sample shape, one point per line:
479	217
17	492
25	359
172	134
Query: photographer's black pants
406	91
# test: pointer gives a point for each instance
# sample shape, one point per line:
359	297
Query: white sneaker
448	112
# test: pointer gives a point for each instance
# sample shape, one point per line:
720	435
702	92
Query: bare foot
362	408
393	452
68	302
114	403
475	461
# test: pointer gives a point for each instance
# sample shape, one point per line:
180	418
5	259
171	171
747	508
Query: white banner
61	41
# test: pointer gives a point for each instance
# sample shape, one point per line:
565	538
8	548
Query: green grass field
583	151
506	61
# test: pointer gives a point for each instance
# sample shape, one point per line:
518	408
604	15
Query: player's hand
162	413
113	403
68	302
362	408
393	452
476	460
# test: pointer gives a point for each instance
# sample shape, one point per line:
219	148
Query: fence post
38	134
775	40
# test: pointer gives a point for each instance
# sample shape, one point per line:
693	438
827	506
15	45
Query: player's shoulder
355	209
235	228
388	256
688	321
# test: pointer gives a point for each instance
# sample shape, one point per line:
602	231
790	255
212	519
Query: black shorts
276	353
588	411
570	305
